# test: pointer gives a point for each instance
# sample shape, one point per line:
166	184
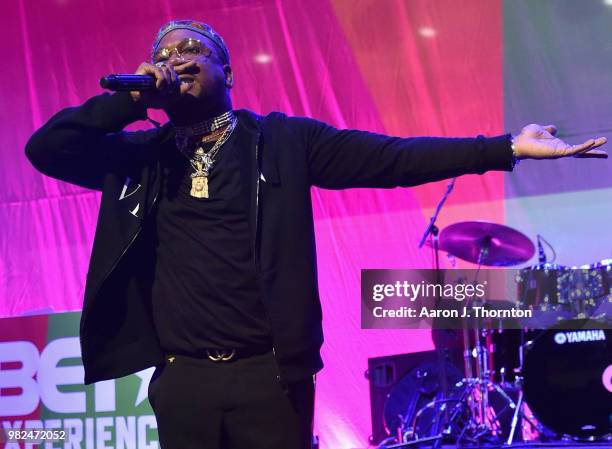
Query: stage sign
41	388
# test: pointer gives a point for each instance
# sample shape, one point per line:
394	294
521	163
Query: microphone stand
433	230
431	227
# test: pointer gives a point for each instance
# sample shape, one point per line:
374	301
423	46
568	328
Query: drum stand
481	420
482	424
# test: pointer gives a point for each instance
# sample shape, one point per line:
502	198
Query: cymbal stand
483	419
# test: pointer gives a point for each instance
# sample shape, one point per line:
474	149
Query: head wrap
198	27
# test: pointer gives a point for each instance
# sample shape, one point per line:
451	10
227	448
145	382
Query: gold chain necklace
203	163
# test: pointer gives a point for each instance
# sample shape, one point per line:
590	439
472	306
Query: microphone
121	82
541	253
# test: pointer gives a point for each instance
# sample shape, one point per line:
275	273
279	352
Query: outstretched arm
349	158
340	159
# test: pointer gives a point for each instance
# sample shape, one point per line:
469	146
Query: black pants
201	404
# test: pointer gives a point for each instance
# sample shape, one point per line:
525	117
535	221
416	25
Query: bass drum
568	379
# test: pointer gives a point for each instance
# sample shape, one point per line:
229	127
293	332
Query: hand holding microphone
153	85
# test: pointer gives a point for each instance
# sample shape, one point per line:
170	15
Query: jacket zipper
256	255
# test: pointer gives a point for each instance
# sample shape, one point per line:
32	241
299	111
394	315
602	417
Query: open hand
539	142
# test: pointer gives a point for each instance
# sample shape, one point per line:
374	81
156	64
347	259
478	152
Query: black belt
225	355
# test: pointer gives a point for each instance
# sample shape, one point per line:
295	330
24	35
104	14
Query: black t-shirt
205	291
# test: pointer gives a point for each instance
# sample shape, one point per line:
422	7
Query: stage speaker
385	372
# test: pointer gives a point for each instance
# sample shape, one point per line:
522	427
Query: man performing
204	262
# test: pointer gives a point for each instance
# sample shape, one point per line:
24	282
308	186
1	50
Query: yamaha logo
580	336
560	338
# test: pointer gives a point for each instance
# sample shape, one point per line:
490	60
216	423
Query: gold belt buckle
219	355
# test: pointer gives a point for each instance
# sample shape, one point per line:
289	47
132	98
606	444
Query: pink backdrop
403	68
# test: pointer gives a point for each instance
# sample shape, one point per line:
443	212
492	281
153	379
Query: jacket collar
258	128
267	148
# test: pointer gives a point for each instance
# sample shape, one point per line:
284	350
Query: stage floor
547	445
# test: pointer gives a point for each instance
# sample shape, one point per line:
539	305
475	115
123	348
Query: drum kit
540	383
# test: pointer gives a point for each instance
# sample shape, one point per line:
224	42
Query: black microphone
541	253
121	82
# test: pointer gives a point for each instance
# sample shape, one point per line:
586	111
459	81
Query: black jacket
86	146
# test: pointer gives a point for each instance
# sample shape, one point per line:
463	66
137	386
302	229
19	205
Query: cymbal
489	244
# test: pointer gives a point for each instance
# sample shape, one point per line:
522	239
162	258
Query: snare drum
538	287
604	266
582	287
566	292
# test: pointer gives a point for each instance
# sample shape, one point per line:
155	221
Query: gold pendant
199	186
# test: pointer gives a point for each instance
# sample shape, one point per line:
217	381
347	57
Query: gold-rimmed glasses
187	49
